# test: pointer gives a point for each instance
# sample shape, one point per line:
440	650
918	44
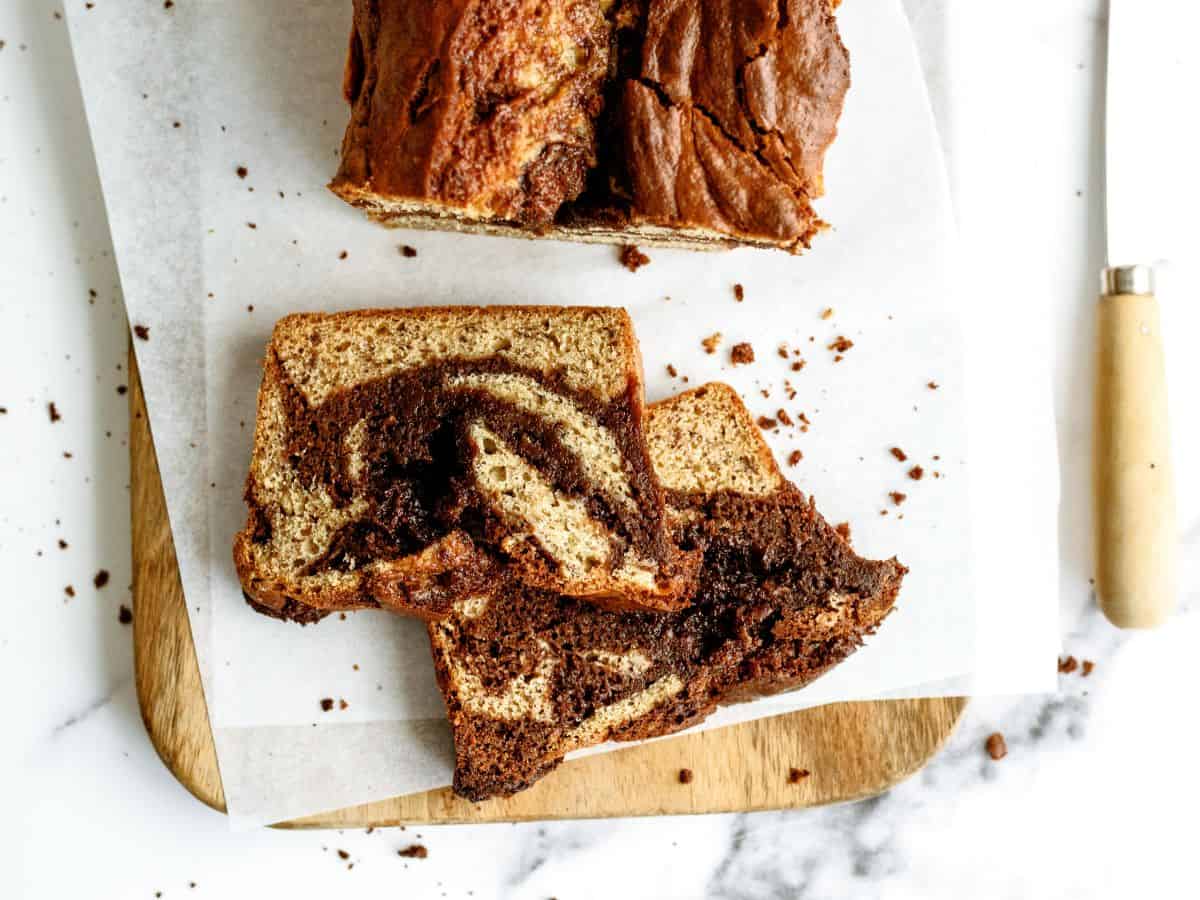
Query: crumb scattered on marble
898	497
53	410
899	454
916	473
125	615
739	293
1068	665
414	851
711	343
406	251
827	313
142	332
794	457
996	747
242	171
1088	668
327	704
101	578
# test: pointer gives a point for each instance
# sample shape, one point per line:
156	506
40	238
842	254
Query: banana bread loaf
688	123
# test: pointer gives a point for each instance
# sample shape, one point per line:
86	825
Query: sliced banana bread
529	675
403	458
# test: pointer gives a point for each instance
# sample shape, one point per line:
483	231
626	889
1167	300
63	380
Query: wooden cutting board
852	750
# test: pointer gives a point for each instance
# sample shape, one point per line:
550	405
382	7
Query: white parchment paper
179	100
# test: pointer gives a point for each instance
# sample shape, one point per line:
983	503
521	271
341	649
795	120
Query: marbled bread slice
529	676
404	457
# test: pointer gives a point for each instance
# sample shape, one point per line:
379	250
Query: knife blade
1152	138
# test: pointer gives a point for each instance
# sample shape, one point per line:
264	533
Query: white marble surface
1095	798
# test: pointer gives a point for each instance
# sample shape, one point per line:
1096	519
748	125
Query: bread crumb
841	345
794	457
101	578
125	615
343	854
142	332
343	254
69	590
327	704
739	293
242	171
766	424
1088	667
54	413
712	342
827	313
782	351
898	497
996	747
632	258
798	365
916	473
406	251
1068	665
671	371
685	776
933	385
741	354
795	776
413	851
342	704
899	454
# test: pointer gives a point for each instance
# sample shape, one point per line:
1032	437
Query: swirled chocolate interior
399	467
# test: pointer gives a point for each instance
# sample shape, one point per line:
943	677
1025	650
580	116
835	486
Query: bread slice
402	458
528	676
687	123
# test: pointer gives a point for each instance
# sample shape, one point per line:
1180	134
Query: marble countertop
1094	798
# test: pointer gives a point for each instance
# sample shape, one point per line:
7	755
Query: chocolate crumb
242	171
711	343
795	776
996	747
343	854
671	371
766	424
407	252
142	332
62	545
343	254
739	293
69	590
1068	665
794	457
121	389
841	345
933	385
898	497
784	418
327	704
685	776
843	528
827	313
125	615
252	225
413	851
741	354
916	473
54	414
632	258
1088	667
101	578
899	454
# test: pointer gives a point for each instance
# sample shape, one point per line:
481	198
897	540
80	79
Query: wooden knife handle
1134	485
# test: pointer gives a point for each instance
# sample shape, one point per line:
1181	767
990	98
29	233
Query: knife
1136	530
